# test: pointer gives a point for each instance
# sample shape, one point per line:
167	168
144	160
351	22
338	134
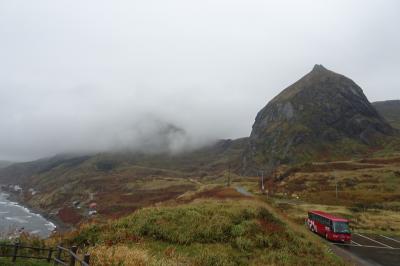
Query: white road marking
395	240
355	243
375	241
362	246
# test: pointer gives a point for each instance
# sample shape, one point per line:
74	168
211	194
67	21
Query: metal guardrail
60	251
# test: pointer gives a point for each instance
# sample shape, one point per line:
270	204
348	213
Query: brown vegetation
69	215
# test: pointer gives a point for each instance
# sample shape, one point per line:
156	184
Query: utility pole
336	187
262	181
229	175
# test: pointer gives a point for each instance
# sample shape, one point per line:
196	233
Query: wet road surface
373	249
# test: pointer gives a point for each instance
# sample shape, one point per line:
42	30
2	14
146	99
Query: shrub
243	244
89	236
213	258
238	230
268	217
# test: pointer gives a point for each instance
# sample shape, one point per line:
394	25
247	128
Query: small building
93	205
32	191
17	188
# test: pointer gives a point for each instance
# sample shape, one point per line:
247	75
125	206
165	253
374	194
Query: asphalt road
368	249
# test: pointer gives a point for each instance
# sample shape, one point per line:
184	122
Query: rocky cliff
324	114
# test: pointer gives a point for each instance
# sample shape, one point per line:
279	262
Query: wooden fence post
86	258
50	254
58	256
16	246
72	257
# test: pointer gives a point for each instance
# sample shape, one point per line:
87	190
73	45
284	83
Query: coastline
60	226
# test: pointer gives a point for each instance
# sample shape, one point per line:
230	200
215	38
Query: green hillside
390	110
118	182
205	232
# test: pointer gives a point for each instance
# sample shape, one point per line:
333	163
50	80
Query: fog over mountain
87	76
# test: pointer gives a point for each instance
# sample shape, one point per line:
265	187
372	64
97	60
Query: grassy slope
26	241
368	192
119	182
203	232
23	262
390	110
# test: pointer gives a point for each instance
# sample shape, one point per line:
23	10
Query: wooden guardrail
73	258
63	256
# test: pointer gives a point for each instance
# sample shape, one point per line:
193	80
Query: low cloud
88	76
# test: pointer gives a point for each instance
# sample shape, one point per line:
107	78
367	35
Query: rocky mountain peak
319	68
322	113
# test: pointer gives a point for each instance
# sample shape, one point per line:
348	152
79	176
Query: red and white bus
331	227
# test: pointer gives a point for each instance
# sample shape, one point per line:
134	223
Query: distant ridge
390	110
4	164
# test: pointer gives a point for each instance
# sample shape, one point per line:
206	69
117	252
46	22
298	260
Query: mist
169	76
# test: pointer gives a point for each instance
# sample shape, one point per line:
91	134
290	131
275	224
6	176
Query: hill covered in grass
118	182
368	192
202	232
390	110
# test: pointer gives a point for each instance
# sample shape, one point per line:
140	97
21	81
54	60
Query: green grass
204	232
23	262
25	240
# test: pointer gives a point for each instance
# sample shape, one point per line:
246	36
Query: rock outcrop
324	114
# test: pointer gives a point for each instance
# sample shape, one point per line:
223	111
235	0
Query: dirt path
196	182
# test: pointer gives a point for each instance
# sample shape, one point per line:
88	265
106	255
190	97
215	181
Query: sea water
16	218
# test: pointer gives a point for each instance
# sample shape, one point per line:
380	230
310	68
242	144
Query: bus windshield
341	227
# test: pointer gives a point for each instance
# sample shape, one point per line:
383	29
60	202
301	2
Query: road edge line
395	240
375	241
356	243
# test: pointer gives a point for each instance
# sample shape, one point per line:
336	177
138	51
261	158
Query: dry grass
120	255
368	192
370	220
202	232
378	221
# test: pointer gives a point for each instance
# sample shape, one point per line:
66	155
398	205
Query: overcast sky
96	75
